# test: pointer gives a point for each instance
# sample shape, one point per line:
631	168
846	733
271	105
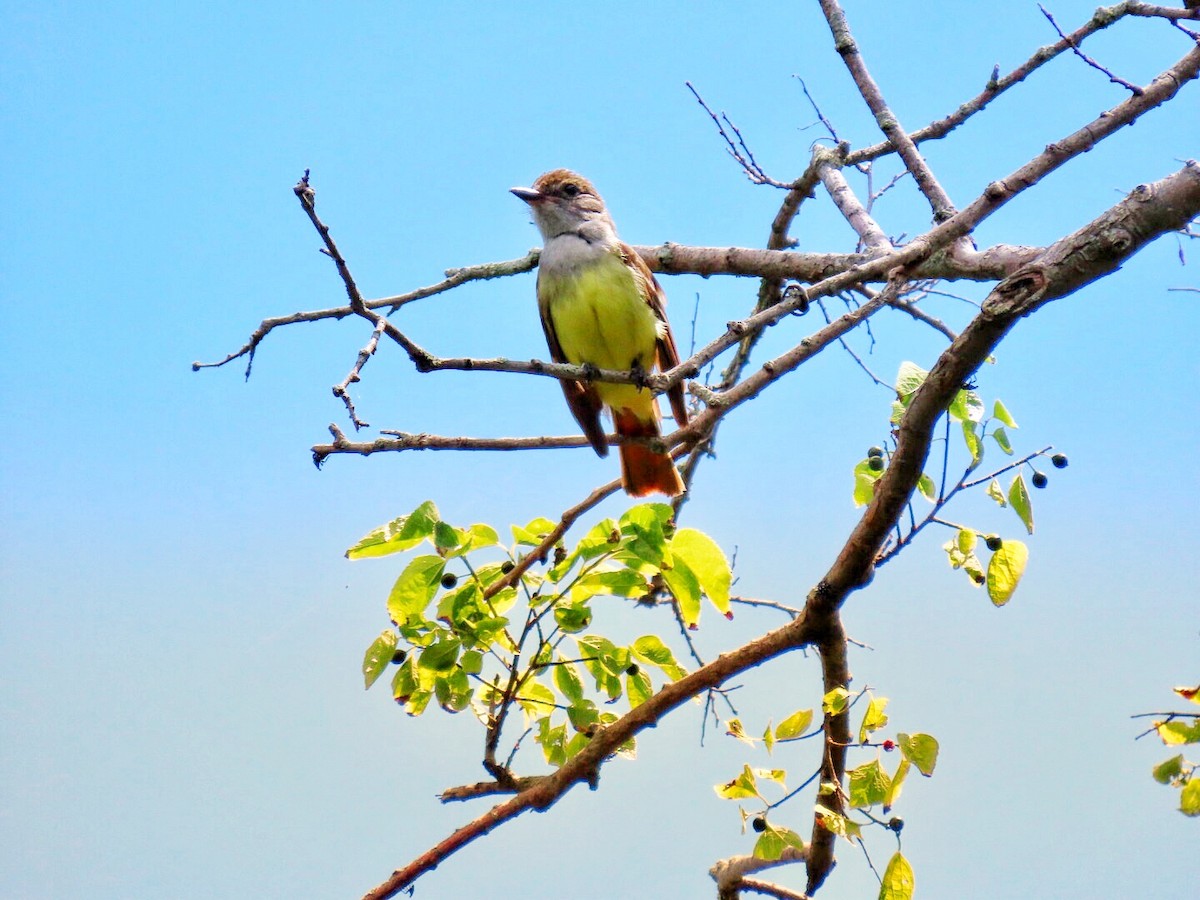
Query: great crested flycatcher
601	306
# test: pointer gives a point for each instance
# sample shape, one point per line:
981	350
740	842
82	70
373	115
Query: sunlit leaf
1189	798
794	725
399	534
835	701
707	562
740	788
378	656
996	492
1005	569
650	649
1168	770
1000	436
927	488
735	729
1178	731
869	785
898	881
921	750
1018	496
873	719
415	588
1001	414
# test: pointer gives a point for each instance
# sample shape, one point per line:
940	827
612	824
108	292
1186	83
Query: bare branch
843	42
1133	88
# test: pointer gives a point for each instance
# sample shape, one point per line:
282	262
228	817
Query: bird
602	308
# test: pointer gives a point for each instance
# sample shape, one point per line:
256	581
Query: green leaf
644	523
638	688
921	750
572	619
707	562
1189	798
837	823
869	785
440	656
873	719
974	444
1004	571
774	840
445	538
927	488
1001	414
734	728
966	407
893	793
650	649
794	725
611	582
415	587
378	656
568	682
898	882
471	662
453	691
1177	731
397	535
996	493
533	533
1167	771
553	740
910	377
768	738
769	845
535	698
406	680
741	788
1018	496
836	701
1002	441
864	484
583	716
685	587
966	539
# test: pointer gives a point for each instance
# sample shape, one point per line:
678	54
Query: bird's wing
668	353
581	397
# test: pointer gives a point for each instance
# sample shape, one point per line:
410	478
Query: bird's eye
570	190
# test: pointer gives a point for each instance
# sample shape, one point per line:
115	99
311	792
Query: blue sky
182	711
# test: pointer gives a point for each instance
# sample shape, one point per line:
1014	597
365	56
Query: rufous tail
643	471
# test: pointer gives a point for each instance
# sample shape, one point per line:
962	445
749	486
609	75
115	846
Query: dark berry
632	669
978	577
994	543
875	451
1040	480
449	580
896	824
506	567
399	656
889	745
759	824
560	553
875	463
1060	460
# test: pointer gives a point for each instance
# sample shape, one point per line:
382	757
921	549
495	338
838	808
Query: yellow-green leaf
707	562
1018	496
378	656
1189	798
921	750
794	725
898	882
835	701
873	719
1004	571
414	588
399	534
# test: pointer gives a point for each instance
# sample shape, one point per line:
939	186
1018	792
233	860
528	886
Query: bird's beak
529	195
